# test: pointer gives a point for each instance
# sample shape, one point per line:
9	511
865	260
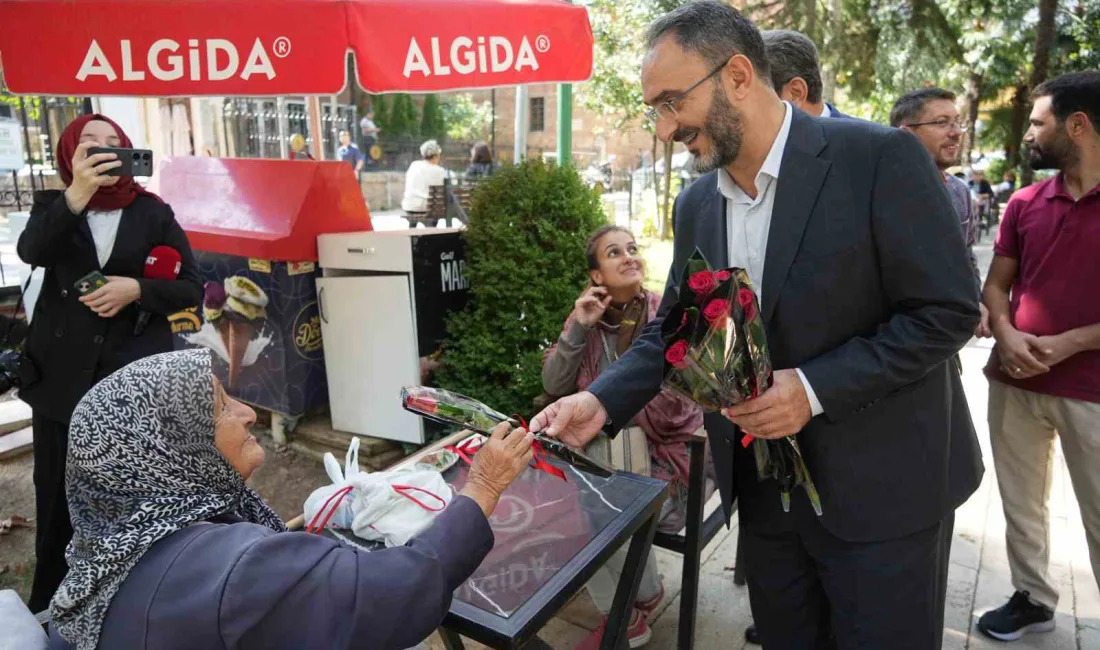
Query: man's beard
946	163
723	127
1057	154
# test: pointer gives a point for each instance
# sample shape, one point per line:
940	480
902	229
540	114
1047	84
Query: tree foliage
432	124
466	120
401	117
494	348
381	107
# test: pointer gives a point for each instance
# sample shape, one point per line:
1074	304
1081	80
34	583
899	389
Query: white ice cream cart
384	298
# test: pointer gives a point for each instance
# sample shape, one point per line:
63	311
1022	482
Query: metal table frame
520	629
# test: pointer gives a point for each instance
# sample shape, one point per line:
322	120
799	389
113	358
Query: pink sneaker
637	634
648	607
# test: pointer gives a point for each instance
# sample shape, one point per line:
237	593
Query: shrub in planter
526	267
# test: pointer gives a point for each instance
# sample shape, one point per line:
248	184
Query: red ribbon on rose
540	461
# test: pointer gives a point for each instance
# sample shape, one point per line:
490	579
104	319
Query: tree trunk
811	20
1016	130
666	231
1044	38
835	35
973	103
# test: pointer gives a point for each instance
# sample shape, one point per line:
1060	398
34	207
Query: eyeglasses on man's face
667	109
944	124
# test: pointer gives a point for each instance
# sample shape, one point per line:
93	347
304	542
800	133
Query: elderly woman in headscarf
172	551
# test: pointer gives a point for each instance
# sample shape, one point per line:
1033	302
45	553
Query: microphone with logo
163	263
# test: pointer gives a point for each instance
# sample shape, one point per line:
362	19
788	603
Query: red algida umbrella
280	47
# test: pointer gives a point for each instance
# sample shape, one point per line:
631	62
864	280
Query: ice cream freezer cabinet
384	298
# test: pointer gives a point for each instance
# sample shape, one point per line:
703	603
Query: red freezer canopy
267	209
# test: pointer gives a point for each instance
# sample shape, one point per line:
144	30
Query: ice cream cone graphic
244	314
240	334
222	325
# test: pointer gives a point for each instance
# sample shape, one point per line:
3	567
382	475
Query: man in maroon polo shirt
1043	296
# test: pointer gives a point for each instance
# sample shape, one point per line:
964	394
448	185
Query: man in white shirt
866	296
796	72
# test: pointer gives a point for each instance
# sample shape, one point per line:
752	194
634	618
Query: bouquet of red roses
716	354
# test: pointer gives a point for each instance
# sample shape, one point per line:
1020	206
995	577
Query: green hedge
526	266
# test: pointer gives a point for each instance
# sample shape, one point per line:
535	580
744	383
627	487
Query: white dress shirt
826	111
104	227
422	175
748	221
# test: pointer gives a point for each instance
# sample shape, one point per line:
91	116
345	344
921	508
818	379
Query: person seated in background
481	162
1003	191
419	179
298	150
172	551
605	320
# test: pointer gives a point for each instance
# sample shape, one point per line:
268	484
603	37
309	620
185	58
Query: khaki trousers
1022	426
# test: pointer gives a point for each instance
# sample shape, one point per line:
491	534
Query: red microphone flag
163	263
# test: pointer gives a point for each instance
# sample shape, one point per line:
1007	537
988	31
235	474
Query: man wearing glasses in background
931	115
866	295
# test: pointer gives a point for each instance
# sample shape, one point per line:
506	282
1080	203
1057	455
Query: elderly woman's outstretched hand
498	462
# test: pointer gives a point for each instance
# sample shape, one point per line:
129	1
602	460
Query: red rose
716	312
722	276
748	303
702	282
676	352
422	404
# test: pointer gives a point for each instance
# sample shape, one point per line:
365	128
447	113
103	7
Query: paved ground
979	575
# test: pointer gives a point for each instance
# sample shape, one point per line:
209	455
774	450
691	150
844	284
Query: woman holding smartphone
101	226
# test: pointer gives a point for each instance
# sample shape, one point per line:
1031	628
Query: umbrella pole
519	149
313	110
565	124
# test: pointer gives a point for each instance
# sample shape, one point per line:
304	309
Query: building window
537	115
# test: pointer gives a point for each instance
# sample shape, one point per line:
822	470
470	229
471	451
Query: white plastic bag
19	630
395	506
336	498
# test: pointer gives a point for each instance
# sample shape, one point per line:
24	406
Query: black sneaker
1017	617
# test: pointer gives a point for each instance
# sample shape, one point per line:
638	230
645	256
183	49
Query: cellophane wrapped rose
716	354
451	408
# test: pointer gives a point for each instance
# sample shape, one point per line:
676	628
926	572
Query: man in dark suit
866	295
796	72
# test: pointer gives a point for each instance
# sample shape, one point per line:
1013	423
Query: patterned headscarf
141	466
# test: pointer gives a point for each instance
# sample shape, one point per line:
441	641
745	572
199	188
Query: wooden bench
449	201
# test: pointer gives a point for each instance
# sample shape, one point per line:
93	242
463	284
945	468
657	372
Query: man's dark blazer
837	114
868	289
